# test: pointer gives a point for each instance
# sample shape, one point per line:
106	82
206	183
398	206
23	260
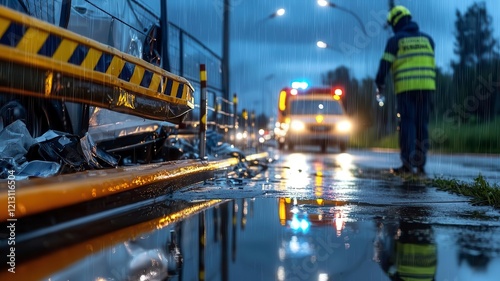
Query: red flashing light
338	92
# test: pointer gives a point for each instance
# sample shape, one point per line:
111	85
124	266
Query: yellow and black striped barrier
42	60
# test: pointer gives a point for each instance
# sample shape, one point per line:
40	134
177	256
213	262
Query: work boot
420	171
403	170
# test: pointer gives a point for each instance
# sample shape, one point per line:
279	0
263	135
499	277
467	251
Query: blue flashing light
299	224
300	85
295	224
304	225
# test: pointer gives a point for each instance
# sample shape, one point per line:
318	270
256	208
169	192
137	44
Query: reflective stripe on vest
416	262
414	67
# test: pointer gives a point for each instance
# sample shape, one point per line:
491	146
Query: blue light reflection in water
293	239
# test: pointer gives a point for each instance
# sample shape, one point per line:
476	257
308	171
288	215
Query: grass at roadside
445	138
449	138
468	138
481	192
367	138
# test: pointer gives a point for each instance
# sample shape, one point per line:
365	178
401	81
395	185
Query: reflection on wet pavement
308	217
293	239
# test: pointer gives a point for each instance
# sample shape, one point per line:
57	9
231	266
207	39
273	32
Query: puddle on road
285	239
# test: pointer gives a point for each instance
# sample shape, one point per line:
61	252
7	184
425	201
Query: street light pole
324	3
225	49
225	55
165	60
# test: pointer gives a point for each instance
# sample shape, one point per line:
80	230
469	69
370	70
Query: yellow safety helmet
397	13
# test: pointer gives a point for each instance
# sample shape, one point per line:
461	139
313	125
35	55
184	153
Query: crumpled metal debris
216	149
58	153
61	148
48	155
7	165
38	168
15	140
74	154
15	143
95	156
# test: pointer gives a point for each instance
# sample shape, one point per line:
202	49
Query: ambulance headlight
297	125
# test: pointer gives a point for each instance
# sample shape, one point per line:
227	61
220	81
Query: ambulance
314	116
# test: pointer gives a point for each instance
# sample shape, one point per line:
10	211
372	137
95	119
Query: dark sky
268	54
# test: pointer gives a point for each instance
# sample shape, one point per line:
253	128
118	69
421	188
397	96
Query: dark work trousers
414	107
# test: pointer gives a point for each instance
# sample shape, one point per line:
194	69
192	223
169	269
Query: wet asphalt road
308	216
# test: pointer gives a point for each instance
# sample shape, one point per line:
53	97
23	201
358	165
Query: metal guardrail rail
217	119
46	194
66	66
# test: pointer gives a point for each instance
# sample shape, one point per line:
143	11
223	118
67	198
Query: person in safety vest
406	250
409	56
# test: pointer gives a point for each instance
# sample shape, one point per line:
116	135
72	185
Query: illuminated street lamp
324	3
322	45
225	47
278	13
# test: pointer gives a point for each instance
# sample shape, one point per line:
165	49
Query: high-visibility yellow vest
414	66
416	262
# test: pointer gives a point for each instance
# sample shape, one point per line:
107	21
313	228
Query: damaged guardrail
63	65
45	194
